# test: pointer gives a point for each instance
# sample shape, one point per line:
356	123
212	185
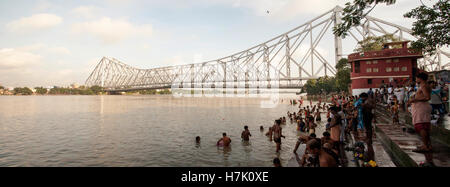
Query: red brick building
373	68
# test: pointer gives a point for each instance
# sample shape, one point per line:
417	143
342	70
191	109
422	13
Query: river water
138	131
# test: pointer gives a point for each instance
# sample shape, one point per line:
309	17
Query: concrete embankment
399	142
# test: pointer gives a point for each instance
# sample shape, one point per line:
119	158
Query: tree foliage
94	90
432	25
353	13
343	75
375	43
154	92
326	85
22	91
41	90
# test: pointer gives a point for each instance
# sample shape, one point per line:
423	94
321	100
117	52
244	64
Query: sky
59	42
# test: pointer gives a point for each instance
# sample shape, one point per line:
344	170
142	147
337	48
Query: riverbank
399	143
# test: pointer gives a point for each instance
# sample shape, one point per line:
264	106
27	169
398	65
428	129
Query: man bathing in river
246	134
317	155
277	134
225	140
311	125
303	139
326	138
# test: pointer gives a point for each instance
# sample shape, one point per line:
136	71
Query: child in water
269	134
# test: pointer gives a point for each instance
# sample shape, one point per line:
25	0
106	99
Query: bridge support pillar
337	40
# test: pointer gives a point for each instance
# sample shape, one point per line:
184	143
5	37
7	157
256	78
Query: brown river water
138	131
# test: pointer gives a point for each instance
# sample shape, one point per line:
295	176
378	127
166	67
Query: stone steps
438	132
400	144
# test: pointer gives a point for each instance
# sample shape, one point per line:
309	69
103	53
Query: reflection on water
137	131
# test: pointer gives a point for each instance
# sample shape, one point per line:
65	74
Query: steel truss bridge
285	61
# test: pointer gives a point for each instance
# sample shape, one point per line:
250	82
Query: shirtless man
225	139
326	138
335	126
246	134
277	134
303	139
311	125
320	156
421	114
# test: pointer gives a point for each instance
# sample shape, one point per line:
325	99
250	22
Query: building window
375	62
357	65
404	68
369	81
368	70
375	70
396	69
388	60
388	69
396	60
368	62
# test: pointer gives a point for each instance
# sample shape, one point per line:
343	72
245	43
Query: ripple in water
137	131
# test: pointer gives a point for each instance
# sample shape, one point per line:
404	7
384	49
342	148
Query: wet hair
246	127
335	109
224	134
278	122
364	95
422	76
313	144
326	134
277	161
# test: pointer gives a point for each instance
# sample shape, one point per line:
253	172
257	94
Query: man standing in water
421	115
321	156
277	135
246	134
225	140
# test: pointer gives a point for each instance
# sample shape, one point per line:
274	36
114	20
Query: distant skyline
59	42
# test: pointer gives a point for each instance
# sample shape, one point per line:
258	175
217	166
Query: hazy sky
59	42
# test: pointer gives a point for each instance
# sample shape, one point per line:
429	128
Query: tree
22	91
41	90
431	25
96	89
322	85
375	43
343	75
326	85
